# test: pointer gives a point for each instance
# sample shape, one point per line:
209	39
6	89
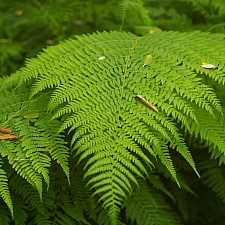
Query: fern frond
158	184
218	28
213	177
30	174
82	198
122	6
182	194
116	136
181	200
28	119
146	206
210	130
20	211
126	7
4	212
27	192
204	6
4	189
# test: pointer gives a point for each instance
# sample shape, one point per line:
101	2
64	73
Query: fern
4	190
20	211
213	176
146	207
208	7
31	152
127	6
218	28
5	218
188	15
115	137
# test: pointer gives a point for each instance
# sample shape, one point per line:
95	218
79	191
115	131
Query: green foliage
147	206
99	135
187	15
28	26
115	138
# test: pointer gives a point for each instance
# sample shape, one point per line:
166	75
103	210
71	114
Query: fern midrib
124	78
125	69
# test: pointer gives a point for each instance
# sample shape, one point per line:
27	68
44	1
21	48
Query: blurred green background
28	26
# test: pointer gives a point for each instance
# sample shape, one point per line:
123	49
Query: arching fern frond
4	189
147	206
30	155
5	216
213	176
94	81
20	211
218	28
130	6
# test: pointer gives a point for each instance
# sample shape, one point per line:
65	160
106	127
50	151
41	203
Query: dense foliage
124	126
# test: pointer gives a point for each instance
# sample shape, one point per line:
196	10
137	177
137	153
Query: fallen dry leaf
8	136
5	131
19	12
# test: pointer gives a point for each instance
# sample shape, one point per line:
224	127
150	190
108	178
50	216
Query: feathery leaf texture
4	189
31	154
113	133
147	207
131	6
213	176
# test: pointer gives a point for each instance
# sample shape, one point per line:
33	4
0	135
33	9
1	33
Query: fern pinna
87	87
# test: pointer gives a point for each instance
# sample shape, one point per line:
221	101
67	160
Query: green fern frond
4	189
4	212
213	176
157	183
30	174
181	200
207	7
93	82
125	7
210	130
146	206
82	198
27	192
28	119
182	194
218	28
20	211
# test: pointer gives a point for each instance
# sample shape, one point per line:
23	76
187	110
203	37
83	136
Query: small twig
147	103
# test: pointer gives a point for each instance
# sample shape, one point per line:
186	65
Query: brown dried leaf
5	131
19	12
8	136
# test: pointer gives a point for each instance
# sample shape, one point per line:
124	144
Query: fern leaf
36	143
20	211
158	184
213	176
5	216
4	189
147	206
113	133
126	7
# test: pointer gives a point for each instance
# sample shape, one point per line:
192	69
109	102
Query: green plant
187	15
28	26
74	110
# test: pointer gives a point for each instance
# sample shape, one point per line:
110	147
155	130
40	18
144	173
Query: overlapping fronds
122	111
213	176
147	206
30	146
4	189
